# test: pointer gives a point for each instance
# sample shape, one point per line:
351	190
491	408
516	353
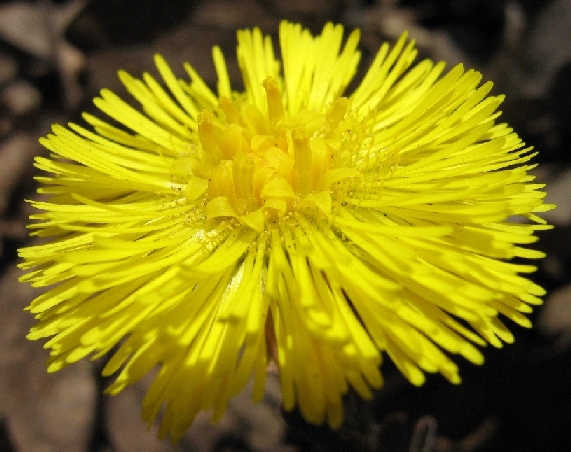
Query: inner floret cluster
258	167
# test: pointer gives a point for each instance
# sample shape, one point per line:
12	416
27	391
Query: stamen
229	109
274	98
302	153
232	142
206	135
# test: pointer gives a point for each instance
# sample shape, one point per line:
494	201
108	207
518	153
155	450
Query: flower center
255	166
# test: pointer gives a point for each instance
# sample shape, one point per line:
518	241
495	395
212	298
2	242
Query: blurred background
54	58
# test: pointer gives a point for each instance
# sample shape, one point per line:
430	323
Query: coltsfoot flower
292	221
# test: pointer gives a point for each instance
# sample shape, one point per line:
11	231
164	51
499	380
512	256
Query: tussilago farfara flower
292	221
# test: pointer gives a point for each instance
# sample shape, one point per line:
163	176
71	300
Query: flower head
292	221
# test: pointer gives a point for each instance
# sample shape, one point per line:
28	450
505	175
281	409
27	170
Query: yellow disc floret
263	165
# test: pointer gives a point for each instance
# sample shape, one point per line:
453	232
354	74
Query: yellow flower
294	221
